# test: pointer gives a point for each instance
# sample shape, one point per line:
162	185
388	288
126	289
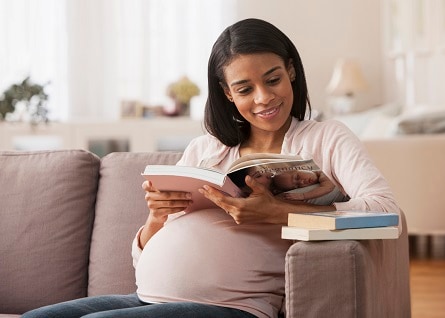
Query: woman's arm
346	161
161	205
260	206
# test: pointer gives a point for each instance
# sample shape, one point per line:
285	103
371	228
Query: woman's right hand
163	203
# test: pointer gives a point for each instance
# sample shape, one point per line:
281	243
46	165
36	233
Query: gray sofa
67	219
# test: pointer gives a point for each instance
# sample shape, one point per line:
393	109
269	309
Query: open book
289	177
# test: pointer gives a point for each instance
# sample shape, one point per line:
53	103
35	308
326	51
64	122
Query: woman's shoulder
204	142
330	124
203	149
311	135
322	129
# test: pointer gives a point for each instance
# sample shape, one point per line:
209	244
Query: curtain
33	43
96	54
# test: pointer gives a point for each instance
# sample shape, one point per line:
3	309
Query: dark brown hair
249	36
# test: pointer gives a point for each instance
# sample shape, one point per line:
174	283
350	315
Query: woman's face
260	86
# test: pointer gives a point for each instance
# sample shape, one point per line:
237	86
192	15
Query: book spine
366	222
293	233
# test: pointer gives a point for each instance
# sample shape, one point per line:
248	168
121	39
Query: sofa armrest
368	278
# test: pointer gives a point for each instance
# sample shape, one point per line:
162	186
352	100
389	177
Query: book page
289	177
259	159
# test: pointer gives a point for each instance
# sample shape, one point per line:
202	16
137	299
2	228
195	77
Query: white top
206	257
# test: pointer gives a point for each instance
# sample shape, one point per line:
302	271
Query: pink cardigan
206	257
334	148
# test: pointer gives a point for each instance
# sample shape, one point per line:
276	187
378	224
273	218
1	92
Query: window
94	54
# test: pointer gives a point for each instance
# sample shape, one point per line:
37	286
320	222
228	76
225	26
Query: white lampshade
347	79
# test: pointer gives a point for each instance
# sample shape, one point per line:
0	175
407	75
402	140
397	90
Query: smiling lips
267	113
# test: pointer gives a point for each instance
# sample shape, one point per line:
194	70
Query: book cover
190	179
289	177
367	233
336	220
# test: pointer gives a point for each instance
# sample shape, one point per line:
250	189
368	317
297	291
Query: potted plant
31	95
182	92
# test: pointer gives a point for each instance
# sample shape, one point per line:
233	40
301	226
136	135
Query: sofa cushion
46	211
120	211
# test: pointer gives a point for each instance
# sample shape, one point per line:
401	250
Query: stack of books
341	225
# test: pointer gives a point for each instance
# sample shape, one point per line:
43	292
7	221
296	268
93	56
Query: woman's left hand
260	206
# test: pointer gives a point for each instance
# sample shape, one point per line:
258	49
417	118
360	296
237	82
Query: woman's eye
244	90
274	80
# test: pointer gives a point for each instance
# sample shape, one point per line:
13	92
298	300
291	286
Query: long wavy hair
249	36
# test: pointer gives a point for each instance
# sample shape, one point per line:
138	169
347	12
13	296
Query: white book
369	233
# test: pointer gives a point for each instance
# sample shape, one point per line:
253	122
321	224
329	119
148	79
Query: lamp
347	80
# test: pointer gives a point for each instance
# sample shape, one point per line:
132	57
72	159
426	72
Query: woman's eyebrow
273	69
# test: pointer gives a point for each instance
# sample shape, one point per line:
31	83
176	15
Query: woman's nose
263	95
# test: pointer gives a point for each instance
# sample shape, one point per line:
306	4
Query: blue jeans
129	306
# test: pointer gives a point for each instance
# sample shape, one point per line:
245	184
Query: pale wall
325	30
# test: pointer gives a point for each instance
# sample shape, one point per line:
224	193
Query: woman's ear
228	95
291	70
226	92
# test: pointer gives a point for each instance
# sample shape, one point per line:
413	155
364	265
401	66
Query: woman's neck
259	148
261	141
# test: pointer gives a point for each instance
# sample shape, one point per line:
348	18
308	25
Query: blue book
337	220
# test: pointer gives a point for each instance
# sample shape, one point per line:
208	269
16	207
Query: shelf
140	135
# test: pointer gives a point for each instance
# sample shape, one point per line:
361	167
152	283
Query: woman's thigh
83	306
175	309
